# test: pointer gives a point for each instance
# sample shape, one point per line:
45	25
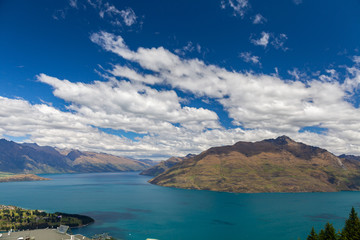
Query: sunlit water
127	207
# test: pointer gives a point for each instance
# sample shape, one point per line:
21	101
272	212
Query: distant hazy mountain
148	161
164	165
273	165
32	158
102	162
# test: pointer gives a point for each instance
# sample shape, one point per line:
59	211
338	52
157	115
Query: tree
351	230
329	233
313	235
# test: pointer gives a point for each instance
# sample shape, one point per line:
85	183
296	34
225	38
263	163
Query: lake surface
127	207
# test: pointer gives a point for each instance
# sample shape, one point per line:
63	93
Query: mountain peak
282	140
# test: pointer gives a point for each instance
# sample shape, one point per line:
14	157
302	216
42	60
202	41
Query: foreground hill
32	158
164	165
273	165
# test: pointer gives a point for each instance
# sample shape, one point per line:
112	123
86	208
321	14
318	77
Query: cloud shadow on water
103	216
324	217
221	222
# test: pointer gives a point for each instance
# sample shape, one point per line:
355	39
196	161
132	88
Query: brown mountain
164	165
32	158
273	165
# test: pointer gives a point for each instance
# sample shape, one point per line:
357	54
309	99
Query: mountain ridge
270	165
32	158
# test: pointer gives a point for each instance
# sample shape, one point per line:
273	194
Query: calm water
127	207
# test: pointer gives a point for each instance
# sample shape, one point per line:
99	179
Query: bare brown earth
22	177
273	165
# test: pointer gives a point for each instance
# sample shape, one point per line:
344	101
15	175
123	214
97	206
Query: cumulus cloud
47	125
263	41
129	106
253	101
249	58
259	19
145	100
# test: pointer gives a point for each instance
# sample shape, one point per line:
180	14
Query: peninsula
16	218
4	177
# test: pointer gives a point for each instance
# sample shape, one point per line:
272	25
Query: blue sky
151	79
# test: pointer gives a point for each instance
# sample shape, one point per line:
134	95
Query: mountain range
32	158
272	165
164	165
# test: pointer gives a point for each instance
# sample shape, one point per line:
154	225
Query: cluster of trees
351	230
19	219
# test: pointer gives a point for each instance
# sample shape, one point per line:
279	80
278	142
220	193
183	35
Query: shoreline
17	218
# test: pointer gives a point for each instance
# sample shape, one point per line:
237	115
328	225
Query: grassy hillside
274	165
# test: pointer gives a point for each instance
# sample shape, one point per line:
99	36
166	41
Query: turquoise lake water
127	207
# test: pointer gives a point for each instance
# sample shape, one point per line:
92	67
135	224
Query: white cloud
297	74
259	19
222	4
255	101
248	57
239	7
115	15
73	3
129	16
59	14
122	104
145	100
188	48
356	59
279	42
297	2
263	41
330	76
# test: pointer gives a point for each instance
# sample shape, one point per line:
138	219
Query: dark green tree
313	235
329	233
351	230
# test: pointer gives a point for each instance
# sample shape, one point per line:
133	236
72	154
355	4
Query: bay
127	207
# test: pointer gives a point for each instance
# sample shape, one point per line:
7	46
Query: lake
127	207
